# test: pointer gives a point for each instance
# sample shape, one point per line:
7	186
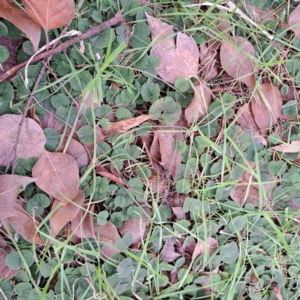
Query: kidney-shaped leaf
31	134
236	61
50	14
20	19
58	175
177	61
9	188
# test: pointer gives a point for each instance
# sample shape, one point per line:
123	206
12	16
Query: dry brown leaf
25	224
180	60
236	61
65	214
31	134
83	224
208	247
155	153
209	64
125	125
248	124
294	20
293	147
168	253
50	14
198	106
260	15
5	271
170	159
206	283
9	189
247	190
137	226
157	182
58	175
103	172
107	235
265	116
20	19
76	150
179	213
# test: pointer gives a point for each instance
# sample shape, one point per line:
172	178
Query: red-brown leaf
50	14
58	175
103	172
180	60
236	61
5	271
288	148
31	134
198	106
20	19
9	189
294	20
65	213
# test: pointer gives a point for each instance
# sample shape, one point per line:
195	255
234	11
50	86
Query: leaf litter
167	149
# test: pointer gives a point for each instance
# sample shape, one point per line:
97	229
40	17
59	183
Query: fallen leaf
247	190
50	14
65	214
5	271
260	15
137	226
157	182
76	150
207	247
57	174
30	131
293	147
266	106
107	235
248	124
25	224
180	60
9	189
83	223
20	19
103	172
125	125
170	158
155	153
294	20
236	62
168	253
179	213
206	282
199	105
209	63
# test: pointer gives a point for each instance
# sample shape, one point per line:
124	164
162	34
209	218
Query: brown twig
118	18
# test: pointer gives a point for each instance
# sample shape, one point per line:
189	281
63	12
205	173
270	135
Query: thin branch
118	18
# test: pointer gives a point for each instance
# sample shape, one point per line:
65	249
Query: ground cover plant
149	149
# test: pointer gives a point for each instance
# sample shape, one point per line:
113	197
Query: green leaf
3	29
130	6
102	217
140	37
60	100
23	290
125	268
86	134
14	259
6	92
150	91
139	62
290	109
4	54
133	151
229	250
237	223
123	113
181	84
84	25
123	243
103	111
79	82
179	146
277	168
192	205
36	205
66	114
28	48
183	186
52	139
117	219
166	110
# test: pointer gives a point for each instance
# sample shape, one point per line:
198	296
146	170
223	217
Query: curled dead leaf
237	62
208	247
293	147
199	105
58	175
168	253
105	173
31	134
266	105
65	213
